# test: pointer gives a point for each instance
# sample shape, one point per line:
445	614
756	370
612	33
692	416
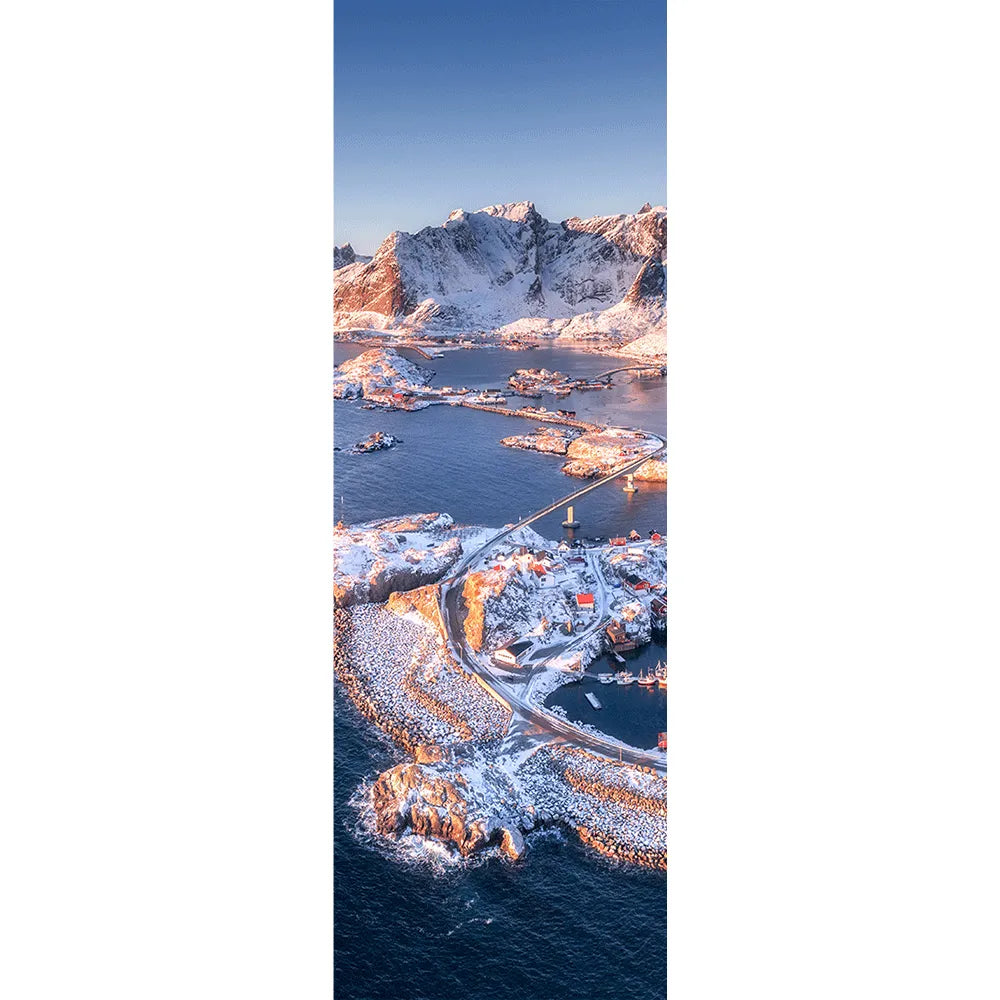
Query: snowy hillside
379	369
505	263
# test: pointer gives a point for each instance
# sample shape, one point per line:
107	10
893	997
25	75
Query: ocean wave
472	920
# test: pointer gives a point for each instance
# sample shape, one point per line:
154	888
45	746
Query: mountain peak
645	208
342	256
515	211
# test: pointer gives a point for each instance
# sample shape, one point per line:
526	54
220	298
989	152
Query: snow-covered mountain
507	268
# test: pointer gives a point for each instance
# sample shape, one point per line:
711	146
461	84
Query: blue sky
441	105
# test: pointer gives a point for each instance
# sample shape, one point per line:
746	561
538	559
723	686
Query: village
615	591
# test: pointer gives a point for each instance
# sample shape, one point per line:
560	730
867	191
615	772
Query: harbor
632	712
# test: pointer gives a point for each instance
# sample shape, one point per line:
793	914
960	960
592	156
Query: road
528	714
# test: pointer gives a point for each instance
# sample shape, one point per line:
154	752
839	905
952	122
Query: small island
374	442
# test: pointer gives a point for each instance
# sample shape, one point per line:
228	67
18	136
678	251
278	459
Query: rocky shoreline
471	786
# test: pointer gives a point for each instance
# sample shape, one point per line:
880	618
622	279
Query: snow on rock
371	561
504	263
550	439
378	369
499	592
652	345
470	801
600	452
393	662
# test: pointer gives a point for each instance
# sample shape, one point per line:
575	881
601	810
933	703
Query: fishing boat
606	678
626	677
647	680
661	674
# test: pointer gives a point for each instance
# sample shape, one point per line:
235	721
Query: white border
833	497
165	724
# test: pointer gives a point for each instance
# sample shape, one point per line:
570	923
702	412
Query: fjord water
562	923
451	460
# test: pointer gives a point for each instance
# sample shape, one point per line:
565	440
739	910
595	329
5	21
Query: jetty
533	414
592	699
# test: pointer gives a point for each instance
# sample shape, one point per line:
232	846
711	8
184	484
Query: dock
594	703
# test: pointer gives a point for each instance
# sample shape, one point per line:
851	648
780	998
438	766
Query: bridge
526	716
659	369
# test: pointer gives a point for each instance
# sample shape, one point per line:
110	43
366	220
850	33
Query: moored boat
626	677
606	678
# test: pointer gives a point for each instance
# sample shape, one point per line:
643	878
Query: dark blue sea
562	923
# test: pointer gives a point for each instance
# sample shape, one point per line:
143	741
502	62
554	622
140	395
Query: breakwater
398	673
532	414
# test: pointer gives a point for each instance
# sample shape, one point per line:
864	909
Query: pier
592	699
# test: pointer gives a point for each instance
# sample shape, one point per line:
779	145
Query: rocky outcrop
485	269
377	371
598	453
342	256
408	799
653	471
372	561
512	843
552	440
650	283
345	256
495	596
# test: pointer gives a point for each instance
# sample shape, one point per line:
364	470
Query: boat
626	677
606	678
647	680
661	674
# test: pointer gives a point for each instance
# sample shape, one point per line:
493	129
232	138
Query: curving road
530	715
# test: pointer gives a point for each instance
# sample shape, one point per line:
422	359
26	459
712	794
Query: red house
585	601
